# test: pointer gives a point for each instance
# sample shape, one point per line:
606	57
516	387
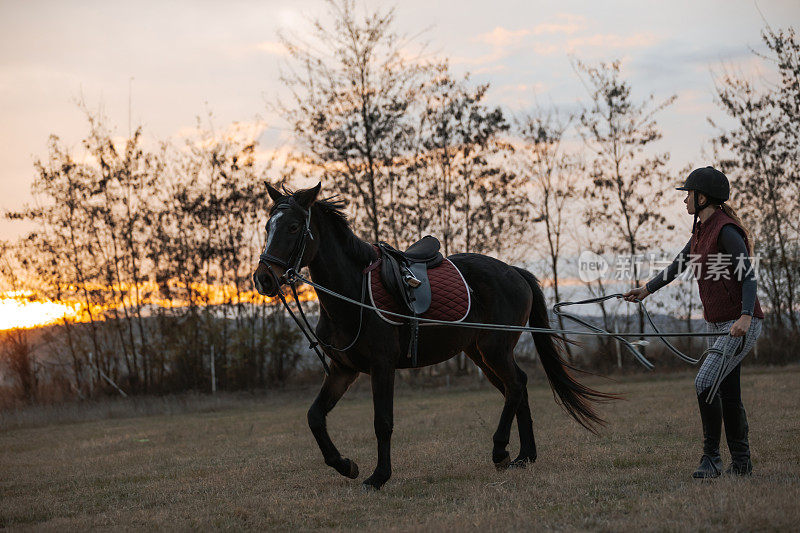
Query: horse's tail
574	397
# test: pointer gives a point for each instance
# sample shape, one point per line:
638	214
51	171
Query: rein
292	277
320	341
308	331
630	345
292	265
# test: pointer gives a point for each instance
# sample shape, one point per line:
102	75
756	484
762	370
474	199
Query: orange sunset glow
21	309
25	309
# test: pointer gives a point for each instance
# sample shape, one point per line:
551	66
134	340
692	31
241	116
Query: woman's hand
639	293
741	326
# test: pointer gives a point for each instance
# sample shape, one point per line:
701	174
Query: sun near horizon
23	310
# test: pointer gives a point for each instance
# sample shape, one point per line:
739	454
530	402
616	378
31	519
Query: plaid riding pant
726	345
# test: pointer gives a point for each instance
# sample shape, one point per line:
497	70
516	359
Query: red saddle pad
450	296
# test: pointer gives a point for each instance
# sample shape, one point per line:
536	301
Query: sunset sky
181	59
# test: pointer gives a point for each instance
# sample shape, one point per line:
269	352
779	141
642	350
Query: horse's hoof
353	473
346	467
522	461
373	483
503	464
369	487
519	463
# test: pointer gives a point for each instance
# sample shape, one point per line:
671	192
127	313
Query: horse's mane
332	209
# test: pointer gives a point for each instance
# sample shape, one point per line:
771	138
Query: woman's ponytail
728	210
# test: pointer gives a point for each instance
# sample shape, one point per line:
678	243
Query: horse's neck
335	268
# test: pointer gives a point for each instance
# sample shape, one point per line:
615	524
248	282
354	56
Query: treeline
156	247
157	241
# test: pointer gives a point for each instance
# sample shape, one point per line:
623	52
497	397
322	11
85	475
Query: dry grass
256	466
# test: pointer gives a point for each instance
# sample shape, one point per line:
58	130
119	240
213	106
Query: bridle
292	263
291	276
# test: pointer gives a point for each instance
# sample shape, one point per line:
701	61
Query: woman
727	287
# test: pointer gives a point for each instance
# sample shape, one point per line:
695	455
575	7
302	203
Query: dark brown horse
306	231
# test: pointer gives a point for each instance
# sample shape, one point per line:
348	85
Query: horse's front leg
333	388
382	400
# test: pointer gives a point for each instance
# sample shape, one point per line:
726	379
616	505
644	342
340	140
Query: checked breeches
715	361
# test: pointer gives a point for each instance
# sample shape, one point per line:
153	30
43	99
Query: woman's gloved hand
639	293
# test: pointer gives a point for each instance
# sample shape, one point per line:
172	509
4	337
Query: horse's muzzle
265	281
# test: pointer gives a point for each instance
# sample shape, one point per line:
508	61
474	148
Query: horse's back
500	287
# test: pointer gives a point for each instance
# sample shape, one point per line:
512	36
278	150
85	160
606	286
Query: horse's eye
293	228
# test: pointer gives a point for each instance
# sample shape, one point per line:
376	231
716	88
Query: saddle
405	274
418	282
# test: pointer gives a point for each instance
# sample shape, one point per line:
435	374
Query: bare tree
594	239
353	86
155	248
17	357
554	175
628	180
467	180
762	151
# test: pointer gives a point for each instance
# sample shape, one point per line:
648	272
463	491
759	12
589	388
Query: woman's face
690	201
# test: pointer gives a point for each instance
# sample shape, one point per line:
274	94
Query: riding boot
736	430
711	416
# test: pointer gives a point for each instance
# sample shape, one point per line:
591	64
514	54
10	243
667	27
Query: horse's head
290	242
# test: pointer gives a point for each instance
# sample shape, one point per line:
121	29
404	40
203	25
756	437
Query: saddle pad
450	295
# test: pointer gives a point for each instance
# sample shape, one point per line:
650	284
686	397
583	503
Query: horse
306	230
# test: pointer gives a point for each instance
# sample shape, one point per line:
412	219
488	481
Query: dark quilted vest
722	298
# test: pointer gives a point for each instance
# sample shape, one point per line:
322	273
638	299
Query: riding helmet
709	181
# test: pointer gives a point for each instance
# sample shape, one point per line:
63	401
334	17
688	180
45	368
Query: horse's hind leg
497	350
333	388
527	443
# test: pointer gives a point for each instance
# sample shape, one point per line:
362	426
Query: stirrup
410	279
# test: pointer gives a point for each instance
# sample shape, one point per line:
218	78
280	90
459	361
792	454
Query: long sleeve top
730	242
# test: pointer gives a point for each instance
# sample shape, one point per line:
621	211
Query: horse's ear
274	193
308	196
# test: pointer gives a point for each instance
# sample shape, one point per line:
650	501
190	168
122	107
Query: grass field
255	465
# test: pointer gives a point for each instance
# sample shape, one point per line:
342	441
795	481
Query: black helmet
712	183
709	181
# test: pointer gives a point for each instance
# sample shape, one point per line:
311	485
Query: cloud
238	132
272	48
565	23
241	51
543	49
563	32
687	64
518	95
493	69
536	87
504	42
694	102
562	23
501	37
749	67
607	41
